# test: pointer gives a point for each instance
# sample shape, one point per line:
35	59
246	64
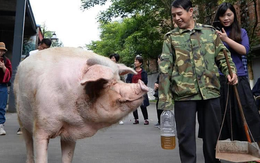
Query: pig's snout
143	86
139	89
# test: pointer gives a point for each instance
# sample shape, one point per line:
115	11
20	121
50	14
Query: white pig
71	93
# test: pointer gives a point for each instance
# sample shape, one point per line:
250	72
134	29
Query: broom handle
238	100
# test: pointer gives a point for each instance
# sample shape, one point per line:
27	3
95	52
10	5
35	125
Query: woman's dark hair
46	41
235	30
185	4
115	55
139	58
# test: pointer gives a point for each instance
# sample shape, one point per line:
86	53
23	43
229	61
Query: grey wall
152	79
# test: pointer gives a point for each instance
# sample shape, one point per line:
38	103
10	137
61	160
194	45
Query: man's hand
2	64
232	80
156	86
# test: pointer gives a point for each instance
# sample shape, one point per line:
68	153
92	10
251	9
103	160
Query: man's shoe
136	122
2	130
146	122
19	132
157	125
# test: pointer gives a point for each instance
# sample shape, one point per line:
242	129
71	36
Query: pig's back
51	66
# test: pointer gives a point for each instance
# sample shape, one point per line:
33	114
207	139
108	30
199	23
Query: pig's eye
110	84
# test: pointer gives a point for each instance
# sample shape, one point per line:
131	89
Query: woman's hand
222	35
239	48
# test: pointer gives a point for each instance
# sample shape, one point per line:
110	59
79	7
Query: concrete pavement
126	143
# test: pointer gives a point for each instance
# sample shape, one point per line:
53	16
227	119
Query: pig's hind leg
41	142
67	149
29	145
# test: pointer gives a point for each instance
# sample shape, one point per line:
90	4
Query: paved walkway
126	143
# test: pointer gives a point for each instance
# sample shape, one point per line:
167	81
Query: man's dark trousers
209	118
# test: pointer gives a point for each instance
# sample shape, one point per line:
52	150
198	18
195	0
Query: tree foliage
146	21
130	37
141	31
128	8
86	4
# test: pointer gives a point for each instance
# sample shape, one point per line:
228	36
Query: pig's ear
125	70
96	72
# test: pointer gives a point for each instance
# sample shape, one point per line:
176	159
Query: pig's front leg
67	148
41	148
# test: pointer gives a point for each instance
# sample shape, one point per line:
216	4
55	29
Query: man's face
43	46
182	18
2	52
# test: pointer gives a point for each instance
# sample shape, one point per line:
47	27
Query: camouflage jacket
189	65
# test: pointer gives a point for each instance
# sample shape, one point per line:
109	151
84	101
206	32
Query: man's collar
197	26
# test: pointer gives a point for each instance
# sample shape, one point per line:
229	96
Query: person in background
156	85
191	55
256	93
5	77
236	40
115	58
141	75
44	44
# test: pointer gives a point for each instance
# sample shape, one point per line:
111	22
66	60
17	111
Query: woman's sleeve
245	40
8	71
157	80
128	78
144	78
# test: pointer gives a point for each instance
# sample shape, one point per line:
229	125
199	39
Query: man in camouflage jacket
191	56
